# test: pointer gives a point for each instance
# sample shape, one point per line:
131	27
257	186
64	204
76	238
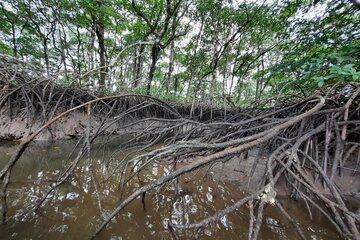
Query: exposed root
310	143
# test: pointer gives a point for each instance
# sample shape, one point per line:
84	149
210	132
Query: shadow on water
76	209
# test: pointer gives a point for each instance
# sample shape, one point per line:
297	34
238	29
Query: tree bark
155	50
171	67
13	31
139	64
99	28
46	54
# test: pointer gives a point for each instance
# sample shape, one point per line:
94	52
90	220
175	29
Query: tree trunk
46	55
176	85
13	30
99	27
134	65
171	67
99	30
139	64
63	52
78	63
155	50
257	87
92	58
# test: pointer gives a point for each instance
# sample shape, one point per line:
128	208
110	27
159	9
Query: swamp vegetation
176	119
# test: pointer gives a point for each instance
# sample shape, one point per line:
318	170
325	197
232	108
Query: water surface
77	207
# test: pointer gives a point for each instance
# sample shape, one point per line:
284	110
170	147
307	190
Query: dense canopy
220	51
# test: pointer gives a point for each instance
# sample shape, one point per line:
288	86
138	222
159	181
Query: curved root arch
309	144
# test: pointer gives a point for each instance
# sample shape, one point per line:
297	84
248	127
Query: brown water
74	209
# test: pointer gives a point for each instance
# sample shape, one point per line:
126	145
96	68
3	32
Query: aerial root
309	143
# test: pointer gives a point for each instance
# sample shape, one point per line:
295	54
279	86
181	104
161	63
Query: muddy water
77	208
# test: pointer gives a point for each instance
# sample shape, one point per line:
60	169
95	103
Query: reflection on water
79	205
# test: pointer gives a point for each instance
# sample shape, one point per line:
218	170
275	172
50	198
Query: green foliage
242	51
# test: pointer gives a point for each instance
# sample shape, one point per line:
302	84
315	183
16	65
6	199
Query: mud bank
71	126
247	171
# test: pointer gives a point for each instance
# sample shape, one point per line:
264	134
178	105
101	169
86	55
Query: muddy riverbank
68	127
